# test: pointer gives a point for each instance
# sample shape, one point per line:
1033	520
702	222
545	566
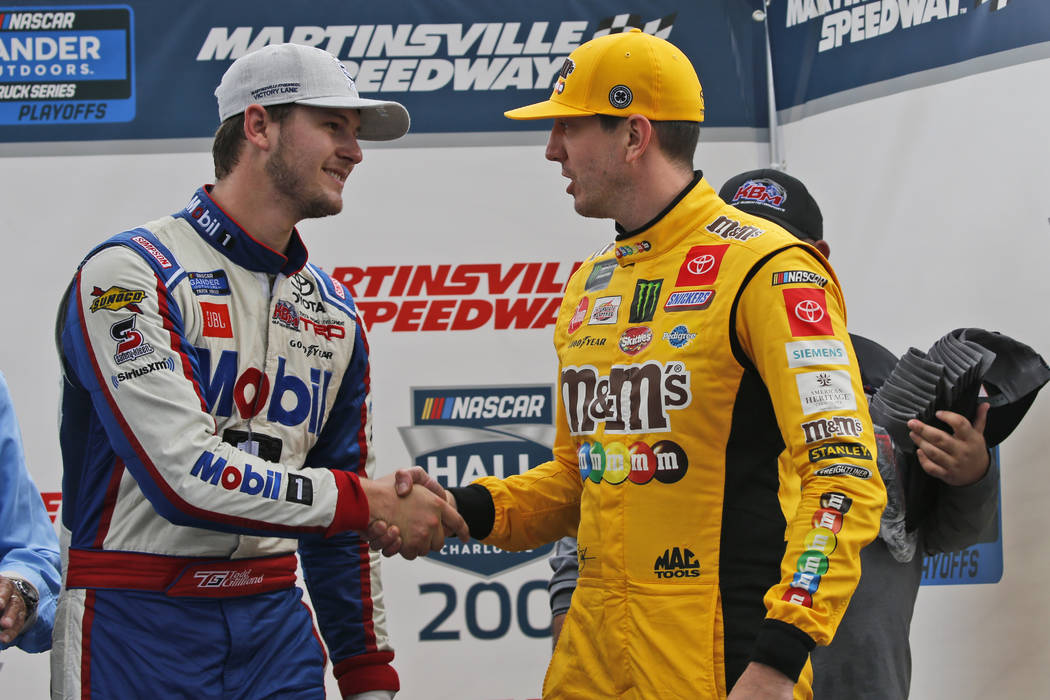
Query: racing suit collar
697	202
226	236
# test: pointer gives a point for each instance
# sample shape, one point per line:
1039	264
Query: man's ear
257	125
639	136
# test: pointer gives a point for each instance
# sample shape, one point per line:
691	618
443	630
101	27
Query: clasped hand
410	521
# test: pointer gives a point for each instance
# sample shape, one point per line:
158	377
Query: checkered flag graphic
657	27
996	4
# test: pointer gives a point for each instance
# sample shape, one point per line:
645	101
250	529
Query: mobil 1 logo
459	434
66	65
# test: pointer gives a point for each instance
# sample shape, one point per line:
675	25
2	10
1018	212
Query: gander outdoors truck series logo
459	434
66	65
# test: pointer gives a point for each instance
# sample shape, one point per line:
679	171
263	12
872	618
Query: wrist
30	598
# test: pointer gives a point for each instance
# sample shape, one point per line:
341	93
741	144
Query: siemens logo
806	353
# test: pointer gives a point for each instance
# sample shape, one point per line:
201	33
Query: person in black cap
870	656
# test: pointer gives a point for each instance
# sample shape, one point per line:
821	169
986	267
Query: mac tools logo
459	434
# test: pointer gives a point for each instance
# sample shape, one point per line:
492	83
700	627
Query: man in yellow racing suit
692	351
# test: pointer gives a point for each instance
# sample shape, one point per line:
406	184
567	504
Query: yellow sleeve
792	325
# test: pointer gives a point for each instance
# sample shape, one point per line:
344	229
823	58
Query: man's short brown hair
677	139
229	138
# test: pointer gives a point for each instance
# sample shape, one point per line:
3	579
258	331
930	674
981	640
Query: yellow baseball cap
623	74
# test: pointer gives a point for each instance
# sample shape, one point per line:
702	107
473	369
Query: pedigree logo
466	297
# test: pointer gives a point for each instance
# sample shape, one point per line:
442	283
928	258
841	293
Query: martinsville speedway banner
457	255
824	47
146	70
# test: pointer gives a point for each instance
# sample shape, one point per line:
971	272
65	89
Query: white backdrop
936	207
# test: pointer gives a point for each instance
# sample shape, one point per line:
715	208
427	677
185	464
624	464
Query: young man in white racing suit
216	418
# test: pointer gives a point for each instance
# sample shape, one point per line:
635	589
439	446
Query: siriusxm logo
676	562
167	363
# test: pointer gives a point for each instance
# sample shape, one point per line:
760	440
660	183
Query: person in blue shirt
29	558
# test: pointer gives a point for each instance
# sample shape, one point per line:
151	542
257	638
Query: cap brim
547	109
380	120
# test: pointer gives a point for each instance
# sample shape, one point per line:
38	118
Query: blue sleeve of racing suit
341	572
28	545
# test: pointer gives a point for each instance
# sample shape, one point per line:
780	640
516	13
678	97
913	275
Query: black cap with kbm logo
778	197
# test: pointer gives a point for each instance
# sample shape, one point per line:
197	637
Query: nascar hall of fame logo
66	65
460	434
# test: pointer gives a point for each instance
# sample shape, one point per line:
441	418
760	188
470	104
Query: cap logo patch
621	97
349	78
566	70
761	191
277	89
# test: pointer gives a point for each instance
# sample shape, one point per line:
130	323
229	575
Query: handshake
410	521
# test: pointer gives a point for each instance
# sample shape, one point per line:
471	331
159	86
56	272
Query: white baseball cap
306	75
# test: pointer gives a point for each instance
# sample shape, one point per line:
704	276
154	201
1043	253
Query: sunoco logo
676	562
510	430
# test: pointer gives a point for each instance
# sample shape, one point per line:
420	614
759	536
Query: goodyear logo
460	434
117	298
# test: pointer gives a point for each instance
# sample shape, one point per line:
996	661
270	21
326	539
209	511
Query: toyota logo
809	311
701	264
301	284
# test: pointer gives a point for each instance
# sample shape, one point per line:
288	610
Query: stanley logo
676	563
835	450
117	298
646	299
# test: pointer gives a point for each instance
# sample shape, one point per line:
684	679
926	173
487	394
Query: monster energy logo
646	299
